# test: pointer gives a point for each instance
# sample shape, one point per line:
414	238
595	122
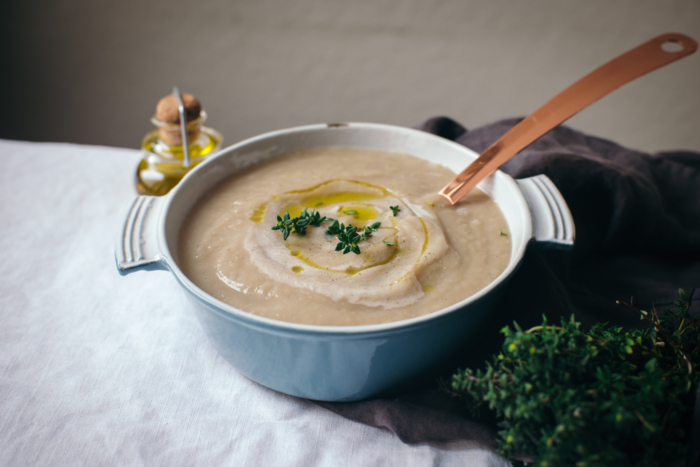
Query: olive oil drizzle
384	191
350	270
362	212
359	212
425	238
259	213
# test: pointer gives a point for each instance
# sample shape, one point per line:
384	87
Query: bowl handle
552	223
137	244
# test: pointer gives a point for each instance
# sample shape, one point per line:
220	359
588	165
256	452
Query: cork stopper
167	108
167	118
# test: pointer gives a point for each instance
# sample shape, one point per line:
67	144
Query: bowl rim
253	320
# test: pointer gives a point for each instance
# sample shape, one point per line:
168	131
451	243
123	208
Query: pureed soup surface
426	257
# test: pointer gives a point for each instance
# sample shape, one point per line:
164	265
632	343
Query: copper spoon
600	82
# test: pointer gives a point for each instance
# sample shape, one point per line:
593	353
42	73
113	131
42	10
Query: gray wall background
91	71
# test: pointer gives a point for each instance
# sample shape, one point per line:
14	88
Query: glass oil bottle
164	163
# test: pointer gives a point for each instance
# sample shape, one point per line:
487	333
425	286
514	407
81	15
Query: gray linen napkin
638	235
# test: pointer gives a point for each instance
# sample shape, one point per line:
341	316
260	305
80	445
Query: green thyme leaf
395	209
350	212
334	229
503	234
387	243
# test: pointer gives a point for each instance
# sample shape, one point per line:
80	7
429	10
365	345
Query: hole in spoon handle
617	72
672	46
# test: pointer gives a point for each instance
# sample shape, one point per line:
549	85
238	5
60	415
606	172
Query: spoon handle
621	70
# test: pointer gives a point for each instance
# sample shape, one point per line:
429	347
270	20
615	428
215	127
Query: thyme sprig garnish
315	218
298	225
367	231
348	237
284	225
395	210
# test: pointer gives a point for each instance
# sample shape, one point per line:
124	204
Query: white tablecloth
98	369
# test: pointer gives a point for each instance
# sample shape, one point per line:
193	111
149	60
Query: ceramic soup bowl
339	363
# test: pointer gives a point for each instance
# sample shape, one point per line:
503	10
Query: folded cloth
637	222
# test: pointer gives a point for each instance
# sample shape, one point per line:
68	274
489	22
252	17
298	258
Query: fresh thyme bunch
605	397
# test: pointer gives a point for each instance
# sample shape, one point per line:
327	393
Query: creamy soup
415	253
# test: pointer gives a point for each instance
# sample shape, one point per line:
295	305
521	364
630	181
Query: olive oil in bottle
164	163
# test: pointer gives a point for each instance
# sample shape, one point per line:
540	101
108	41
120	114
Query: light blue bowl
336	363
